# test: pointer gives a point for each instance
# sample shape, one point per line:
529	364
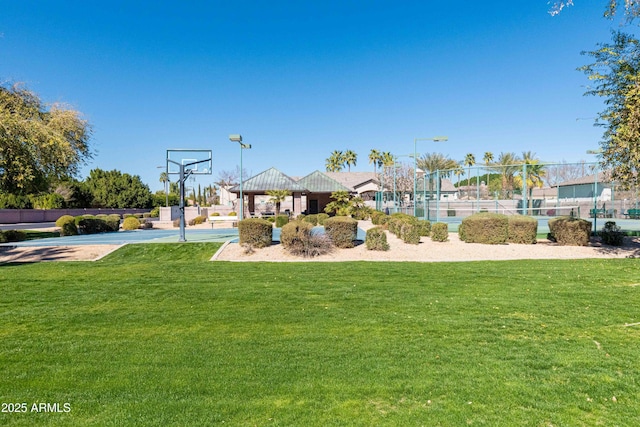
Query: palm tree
374	157
458	171
488	158
277	197
508	164
535	172
335	162
433	162
164	178
469	160
350	158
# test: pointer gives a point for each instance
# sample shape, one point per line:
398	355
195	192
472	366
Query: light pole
415	165
238	138
595	193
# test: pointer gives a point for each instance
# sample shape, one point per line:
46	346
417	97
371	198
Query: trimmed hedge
311	219
322	217
256	232
281	220
570	231
522	229
131	223
485	227
376	239
294	232
342	230
67	225
298	238
611	234
425	227
410	232
200	219
9	236
440	232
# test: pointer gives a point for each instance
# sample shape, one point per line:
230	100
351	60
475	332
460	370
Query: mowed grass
157	335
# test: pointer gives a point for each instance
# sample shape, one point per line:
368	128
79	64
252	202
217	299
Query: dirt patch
54	253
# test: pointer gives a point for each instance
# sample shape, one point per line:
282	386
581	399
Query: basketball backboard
195	162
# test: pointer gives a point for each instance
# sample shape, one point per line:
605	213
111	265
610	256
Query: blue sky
299	79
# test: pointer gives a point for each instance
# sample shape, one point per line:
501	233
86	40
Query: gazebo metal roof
318	182
270	179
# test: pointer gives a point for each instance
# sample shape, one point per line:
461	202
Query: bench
632	213
221	218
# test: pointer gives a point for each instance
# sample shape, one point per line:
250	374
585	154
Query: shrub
155	212
233	213
197	220
255	232
485	227
281	220
215	214
311	219
13	236
342	230
322	217
131	223
570	231
397	220
67	225
113	222
146	215
440	232
611	234
298	238
376	216
410	232
522	229
376	239
93	226
424	227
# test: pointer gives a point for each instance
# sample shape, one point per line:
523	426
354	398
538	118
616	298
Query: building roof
271	179
318	182
587	179
353	180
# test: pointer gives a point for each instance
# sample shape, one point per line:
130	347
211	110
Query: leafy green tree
340	204
277	197
630	8
335	162
350	159
615	74
38	144
114	189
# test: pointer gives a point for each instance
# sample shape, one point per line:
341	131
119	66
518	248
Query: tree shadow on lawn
30	254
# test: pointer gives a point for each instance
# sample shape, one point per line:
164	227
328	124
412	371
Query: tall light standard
415	165
238	138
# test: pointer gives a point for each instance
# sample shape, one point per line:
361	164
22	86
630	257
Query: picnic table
632	213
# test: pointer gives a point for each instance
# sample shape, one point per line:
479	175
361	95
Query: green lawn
156	335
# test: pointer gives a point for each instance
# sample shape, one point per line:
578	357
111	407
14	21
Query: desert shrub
570	231
359	211
12	236
397	220
197	220
298	238
342	230
375	217
215	214
67	225
611	234
440	232
256	232
300	217
485	227
93	225
424	227
311	219
376	239
522	229
322	217
410	232
155	212
113	222
281	220
131	223
233	213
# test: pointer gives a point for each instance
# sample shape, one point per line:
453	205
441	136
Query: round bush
131	223
440	232
570	231
281	220
485	227
376	239
322	217
342	230
13	236
523	229
311	219
256	232
67	225
424	227
410	233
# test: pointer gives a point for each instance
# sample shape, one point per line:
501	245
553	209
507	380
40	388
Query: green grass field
157	335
